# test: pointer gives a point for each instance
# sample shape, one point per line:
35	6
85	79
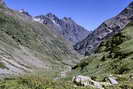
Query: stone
86	81
113	80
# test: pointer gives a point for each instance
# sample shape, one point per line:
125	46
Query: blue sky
88	13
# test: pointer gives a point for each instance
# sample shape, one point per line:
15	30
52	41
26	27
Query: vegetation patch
2	65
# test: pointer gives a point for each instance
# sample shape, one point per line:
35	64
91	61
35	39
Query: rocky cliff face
66	27
105	30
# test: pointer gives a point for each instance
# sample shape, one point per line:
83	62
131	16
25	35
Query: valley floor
43	82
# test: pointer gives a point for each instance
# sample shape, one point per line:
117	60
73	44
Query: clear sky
88	13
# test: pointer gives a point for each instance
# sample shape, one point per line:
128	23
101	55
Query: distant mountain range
65	27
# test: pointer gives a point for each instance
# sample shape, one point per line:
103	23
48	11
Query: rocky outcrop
86	81
81	80
105	30
66	27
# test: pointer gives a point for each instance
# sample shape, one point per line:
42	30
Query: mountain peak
23	11
51	15
66	27
68	19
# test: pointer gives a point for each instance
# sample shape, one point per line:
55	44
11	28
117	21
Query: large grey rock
113	80
86	81
66	27
107	29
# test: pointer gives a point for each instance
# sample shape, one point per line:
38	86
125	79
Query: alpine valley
48	52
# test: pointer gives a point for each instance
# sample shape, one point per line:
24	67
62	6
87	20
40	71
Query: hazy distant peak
68	19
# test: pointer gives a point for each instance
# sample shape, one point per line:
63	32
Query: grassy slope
23	42
114	56
36	82
17	29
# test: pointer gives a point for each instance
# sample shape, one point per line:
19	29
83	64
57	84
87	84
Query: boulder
112	80
86	81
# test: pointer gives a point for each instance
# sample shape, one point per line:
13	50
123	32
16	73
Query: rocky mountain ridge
107	29
65	27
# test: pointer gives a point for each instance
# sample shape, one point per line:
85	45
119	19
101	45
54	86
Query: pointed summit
52	16
68	19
